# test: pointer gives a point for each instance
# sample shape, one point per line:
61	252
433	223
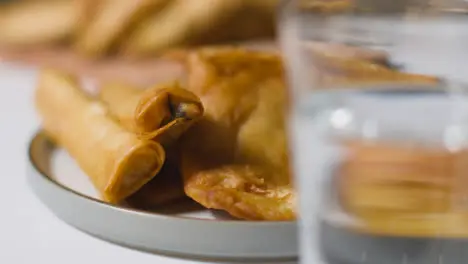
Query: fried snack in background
235	158
137	28
112	22
184	23
161	113
32	23
174	25
116	161
402	190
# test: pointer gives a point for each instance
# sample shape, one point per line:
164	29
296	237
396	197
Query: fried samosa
117	162
113	20
161	113
235	158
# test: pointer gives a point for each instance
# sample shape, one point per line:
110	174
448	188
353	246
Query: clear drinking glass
378	129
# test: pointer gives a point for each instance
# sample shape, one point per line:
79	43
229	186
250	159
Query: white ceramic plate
65	190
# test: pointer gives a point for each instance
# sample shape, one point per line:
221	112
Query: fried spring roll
117	162
161	113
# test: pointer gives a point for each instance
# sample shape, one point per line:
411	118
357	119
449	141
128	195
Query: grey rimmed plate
65	190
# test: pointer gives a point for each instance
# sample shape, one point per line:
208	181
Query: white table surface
29	232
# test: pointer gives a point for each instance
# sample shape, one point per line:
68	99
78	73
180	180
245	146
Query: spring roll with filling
117	162
161	113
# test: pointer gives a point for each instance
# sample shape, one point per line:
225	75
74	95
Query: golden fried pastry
117	162
161	113
112	21
235	158
38	23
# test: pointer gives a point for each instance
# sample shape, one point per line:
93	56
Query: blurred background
107	38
